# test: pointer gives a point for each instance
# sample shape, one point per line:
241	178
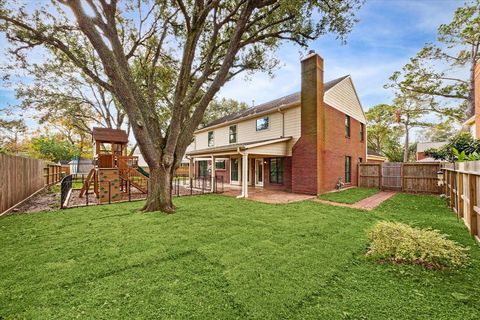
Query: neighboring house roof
422	146
374	155
293	98
372	152
109	135
236	146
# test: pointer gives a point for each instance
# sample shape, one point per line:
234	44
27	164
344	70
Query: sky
388	34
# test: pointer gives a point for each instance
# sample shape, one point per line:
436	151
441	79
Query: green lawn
349	196
225	258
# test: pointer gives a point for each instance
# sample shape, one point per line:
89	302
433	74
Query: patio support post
245	175
190	168
212	184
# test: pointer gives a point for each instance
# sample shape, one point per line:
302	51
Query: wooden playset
114	173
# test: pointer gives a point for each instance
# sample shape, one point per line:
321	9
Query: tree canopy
445	71
164	61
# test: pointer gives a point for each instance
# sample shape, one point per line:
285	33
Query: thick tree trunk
160	191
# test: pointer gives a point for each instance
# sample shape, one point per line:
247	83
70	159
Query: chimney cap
311	53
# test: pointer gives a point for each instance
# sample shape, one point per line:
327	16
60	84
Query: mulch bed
46	200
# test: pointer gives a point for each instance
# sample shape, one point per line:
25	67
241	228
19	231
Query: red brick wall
225	173
337	146
304	165
421	155
287	175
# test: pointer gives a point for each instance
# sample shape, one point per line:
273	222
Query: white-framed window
262	123
211	139
220	164
232	134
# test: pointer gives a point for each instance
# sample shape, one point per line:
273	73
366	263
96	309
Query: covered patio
246	166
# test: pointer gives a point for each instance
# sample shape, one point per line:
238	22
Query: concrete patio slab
269	196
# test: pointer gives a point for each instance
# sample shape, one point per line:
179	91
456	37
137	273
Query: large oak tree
205	42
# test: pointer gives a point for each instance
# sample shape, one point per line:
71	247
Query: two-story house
304	142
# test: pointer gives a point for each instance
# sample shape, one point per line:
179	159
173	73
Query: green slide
145	173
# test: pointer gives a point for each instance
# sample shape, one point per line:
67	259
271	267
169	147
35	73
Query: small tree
52	148
9	135
380	126
409	111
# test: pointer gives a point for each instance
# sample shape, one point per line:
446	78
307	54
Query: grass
225	258
351	195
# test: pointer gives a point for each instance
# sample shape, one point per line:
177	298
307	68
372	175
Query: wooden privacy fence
21	177
415	177
52	173
461	187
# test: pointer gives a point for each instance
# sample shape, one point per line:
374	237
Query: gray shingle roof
235	146
270	105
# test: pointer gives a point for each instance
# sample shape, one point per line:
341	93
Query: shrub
399	243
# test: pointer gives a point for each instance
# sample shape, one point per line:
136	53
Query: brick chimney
307	171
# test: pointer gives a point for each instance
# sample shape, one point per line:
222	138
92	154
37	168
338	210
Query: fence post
445	186
129	189
380	176
109	192
472	202
452	199
460	194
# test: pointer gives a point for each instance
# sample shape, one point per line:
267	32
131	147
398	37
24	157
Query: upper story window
347	126
232	136
211	139
362	131
262	123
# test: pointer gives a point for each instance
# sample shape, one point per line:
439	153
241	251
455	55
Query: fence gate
392	176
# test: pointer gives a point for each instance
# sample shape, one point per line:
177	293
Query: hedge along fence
461	187
415	177
21	177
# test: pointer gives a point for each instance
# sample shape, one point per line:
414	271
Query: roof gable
109	135
344	98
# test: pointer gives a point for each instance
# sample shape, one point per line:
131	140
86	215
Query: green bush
399	243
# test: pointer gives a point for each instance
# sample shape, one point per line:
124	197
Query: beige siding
246	130
343	97
280	148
